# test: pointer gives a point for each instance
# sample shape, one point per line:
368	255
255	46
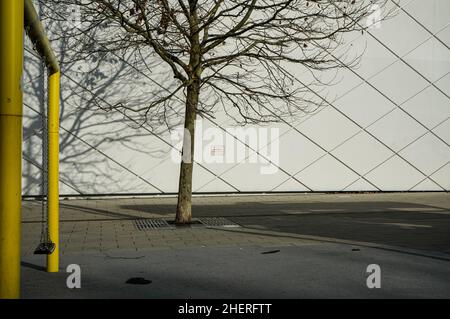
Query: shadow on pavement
409	225
32	266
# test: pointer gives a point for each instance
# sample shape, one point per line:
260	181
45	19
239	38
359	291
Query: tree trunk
184	206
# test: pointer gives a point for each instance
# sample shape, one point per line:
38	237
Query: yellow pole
53	169
11	63
36	33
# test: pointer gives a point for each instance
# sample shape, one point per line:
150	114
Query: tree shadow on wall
96	137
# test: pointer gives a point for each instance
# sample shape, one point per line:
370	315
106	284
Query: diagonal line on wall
434	172
357	124
215	124
428	130
377	73
385	96
396	153
39	166
400	58
310	139
395	54
419	23
229	133
131	119
357	133
149	131
245	144
338	98
102	153
328	152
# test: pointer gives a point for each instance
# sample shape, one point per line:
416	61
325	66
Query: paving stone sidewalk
410	220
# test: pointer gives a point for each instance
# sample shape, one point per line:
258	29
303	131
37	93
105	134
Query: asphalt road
308	271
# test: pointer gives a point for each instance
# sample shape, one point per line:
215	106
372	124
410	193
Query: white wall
385	126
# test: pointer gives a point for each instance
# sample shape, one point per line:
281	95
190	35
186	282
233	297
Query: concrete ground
287	246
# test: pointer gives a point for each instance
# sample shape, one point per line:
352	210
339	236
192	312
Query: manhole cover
151	223
217	222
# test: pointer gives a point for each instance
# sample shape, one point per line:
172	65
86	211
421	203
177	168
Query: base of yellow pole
10	205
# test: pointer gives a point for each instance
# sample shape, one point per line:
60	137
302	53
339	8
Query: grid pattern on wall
384	127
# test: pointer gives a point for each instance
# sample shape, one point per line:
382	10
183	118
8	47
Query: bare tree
240	55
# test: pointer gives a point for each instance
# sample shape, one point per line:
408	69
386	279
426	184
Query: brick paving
410	220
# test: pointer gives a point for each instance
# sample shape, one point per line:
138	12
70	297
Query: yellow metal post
36	33
11	63
53	169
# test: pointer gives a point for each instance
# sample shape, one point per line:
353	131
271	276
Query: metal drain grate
156	223
144	224
217	222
